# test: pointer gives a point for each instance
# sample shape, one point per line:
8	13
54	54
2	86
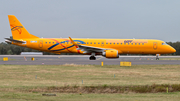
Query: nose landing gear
157	58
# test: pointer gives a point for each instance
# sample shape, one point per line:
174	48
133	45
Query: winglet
75	44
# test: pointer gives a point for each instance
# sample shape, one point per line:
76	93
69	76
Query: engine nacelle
111	54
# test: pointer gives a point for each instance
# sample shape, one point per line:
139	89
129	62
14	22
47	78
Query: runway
84	59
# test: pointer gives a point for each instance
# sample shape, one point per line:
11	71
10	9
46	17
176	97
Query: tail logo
18	28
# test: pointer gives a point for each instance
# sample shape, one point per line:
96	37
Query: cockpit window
164	43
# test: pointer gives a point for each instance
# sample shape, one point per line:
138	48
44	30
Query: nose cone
173	50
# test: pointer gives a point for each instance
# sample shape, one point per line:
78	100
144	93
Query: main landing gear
92	57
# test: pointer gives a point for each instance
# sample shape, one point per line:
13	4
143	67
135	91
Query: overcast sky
140	19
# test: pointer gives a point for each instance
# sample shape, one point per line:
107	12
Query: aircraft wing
88	49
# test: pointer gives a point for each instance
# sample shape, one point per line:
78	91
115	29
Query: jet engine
111	54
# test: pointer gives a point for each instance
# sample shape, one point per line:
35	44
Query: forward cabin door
155	45
40	44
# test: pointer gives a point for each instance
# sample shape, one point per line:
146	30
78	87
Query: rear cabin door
40	44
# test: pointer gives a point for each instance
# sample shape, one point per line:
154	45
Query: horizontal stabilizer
16	41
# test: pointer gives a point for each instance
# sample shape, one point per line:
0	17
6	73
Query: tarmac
84	60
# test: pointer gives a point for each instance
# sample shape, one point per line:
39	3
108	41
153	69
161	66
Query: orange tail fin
18	30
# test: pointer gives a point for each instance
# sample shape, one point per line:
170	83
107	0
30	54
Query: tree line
9	49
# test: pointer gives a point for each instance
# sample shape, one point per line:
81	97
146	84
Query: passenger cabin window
142	43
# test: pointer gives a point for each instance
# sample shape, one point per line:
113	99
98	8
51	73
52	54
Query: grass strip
155	88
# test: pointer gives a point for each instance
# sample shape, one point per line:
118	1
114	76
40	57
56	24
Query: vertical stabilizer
18	30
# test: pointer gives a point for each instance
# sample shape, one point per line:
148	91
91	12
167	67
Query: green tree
9	52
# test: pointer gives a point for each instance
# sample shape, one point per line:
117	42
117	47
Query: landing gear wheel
157	56
92	58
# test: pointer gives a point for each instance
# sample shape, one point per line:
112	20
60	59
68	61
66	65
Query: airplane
109	48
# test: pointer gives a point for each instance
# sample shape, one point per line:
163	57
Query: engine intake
111	54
